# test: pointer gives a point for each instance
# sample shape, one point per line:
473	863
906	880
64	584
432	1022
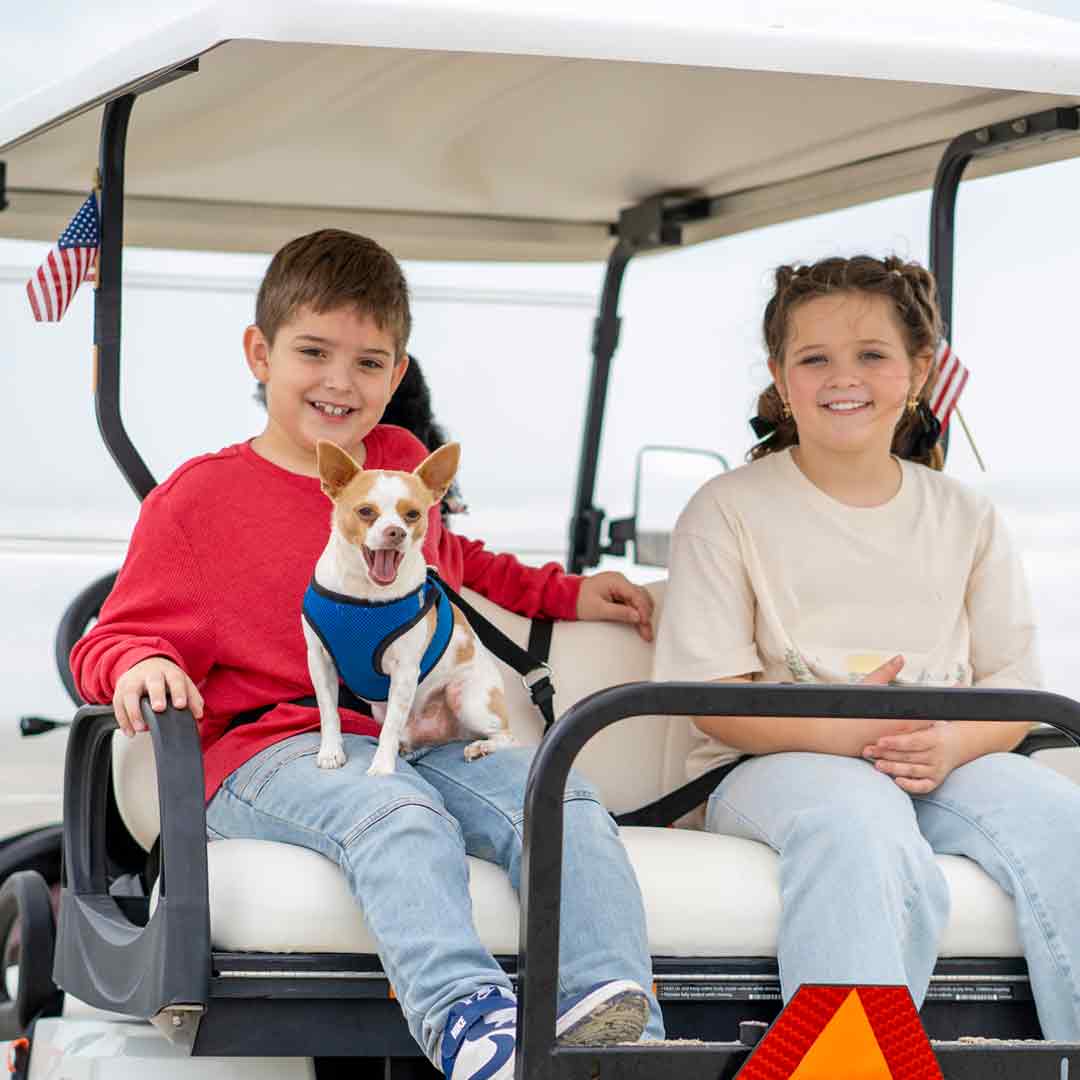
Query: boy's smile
328	376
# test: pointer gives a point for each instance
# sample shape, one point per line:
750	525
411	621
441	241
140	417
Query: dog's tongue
384	565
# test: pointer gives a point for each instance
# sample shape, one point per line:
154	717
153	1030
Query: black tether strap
669	808
539	646
523	661
346	700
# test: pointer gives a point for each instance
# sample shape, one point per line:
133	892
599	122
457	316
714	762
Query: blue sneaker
479	1037
481	1030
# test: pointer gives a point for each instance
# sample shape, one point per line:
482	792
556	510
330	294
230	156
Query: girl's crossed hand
918	760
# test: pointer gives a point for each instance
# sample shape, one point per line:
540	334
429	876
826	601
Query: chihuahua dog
375	618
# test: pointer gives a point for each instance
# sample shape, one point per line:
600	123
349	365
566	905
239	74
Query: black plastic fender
24	898
74	623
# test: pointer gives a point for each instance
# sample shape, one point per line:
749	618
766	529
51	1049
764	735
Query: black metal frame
538	1058
108	293
982	142
654	223
107	299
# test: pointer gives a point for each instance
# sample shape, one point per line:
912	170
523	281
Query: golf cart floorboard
347	1000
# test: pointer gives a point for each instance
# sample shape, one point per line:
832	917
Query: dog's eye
412	515
366	512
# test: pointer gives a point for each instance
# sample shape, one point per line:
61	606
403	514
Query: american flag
950	377
70	262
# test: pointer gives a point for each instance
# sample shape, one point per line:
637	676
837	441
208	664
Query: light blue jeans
863	899
401	842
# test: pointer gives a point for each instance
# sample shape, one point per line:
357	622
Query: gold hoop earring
912	404
785	411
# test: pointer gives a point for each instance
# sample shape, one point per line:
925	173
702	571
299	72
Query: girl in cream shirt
841	554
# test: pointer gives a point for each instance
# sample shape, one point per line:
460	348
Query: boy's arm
159	606
545	591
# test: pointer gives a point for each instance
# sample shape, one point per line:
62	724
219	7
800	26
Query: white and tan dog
374	618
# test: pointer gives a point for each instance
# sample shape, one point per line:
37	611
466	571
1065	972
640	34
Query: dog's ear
437	471
336	468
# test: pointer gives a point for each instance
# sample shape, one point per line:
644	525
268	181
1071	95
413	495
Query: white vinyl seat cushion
705	896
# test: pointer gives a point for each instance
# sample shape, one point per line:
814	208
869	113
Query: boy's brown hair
329	269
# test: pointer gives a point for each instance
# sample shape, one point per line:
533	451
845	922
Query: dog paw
381	766
331	756
476	750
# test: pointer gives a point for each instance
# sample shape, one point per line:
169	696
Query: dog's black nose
393	534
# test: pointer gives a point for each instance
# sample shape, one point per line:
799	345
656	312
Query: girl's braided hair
913	293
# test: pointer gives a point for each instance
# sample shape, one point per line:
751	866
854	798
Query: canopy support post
108	298
981	142
655	222
108	294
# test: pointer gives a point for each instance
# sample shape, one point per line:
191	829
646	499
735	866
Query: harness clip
541	671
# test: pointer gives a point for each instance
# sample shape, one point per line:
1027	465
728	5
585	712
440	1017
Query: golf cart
498	134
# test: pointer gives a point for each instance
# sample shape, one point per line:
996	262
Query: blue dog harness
357	633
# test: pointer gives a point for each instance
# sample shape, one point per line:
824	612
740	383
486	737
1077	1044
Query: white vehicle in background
457	130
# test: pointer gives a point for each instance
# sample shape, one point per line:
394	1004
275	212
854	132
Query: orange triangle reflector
845	1033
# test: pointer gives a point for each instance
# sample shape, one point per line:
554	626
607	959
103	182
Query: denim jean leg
400	850
862	899
602	932
1020	821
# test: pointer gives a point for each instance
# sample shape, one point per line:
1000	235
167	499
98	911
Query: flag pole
93	270
971	441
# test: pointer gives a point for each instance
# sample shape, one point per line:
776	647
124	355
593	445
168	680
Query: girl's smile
845	374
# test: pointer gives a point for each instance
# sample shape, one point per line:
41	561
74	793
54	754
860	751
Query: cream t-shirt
770	576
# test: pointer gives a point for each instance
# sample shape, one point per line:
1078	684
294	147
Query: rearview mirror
665	477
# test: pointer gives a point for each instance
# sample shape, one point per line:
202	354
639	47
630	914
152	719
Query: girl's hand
917	761
610	596
876	729
152	677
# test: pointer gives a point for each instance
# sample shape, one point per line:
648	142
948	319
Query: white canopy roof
479	129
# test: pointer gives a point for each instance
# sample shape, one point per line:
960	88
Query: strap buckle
541	671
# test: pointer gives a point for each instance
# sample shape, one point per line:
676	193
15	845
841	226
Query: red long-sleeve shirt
214	577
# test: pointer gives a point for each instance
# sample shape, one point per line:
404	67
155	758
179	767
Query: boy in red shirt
207	609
